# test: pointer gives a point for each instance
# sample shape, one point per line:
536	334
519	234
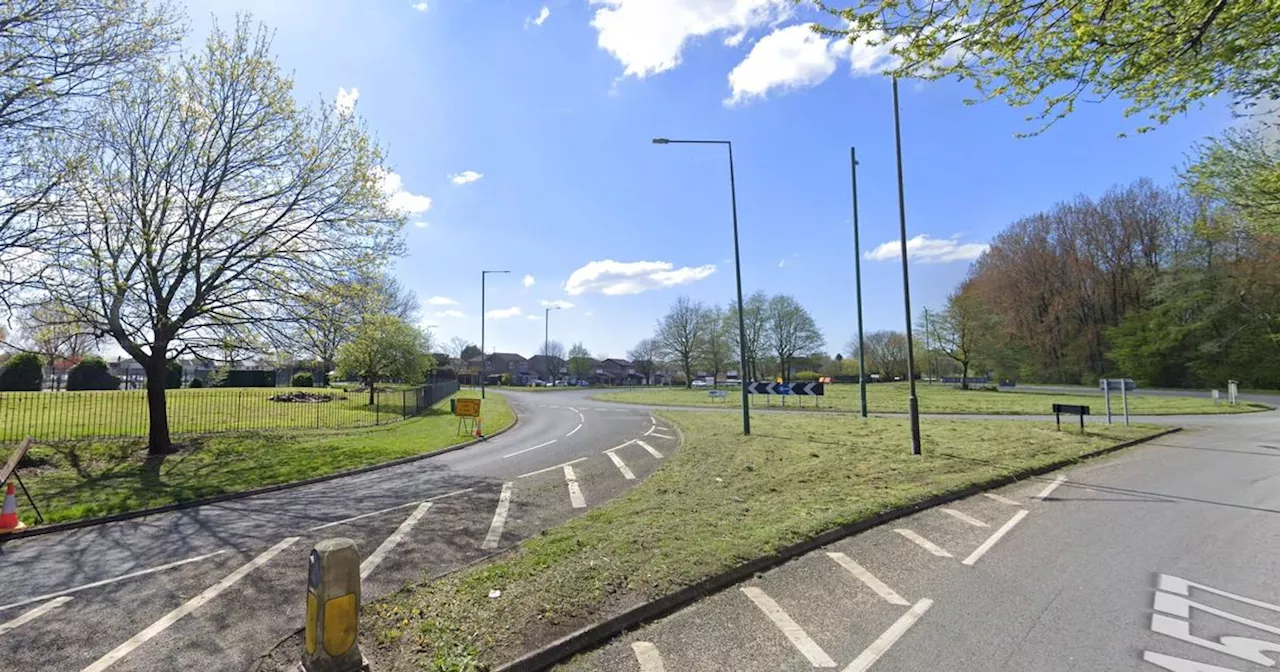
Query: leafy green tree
172	375
580	364
470	352
385	347
681	332
1242	169
92	373
22	373
302	379
791	330
964	331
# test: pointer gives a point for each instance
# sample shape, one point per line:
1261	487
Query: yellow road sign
467	408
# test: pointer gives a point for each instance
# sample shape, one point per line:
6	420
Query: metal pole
912	404
483	368
1124	399
742	328
1106	395
546	341
857	271
928	351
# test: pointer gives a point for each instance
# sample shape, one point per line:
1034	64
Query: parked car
701	383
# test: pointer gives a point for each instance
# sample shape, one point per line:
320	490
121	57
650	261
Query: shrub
172	375
504	379
196	384
22	373
91	374
807	376
302	379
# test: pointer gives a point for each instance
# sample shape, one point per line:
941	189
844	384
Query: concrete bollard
333	609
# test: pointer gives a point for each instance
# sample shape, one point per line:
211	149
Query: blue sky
554	121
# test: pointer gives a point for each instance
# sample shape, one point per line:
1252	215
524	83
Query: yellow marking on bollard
312	615
339	624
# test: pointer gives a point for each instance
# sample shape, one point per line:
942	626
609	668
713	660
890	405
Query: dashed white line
868	578
1048	489
889	637
34	614
991	540
389	509
793	632
622	466
924	543
499	518
958	515
575	493
552	468
104	582
371	563
574	431
581	417
649	448
1001	498
648	657
187	607
520	452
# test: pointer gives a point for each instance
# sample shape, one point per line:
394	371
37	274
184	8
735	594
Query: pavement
1160	557
213	587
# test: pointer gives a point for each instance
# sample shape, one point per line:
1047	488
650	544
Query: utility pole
857	271
913	406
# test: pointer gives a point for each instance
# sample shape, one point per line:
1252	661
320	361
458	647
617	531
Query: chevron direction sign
801	389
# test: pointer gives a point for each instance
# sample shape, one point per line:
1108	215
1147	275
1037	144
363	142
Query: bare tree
791	331
645	357
553	359
886	353
210	203
52	330
716	354
755	328
680	334
456	346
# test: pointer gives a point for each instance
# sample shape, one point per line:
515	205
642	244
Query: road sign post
1124	399
468	412
333	608
1106	395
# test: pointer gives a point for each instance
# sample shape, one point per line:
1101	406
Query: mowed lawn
935	398
720	501
88	479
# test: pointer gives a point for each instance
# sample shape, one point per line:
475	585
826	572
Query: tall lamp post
546	340
913	406
484	369
857	271
737	269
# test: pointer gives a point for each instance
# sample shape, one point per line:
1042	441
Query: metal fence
60	416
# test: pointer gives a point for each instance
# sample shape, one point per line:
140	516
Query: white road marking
620	445
575	493
34	613
1000	498
647	656
1181	664
520	452
622	466
187	607
866	577
662	436
649	448
889	637
370	563
104	582
499	518
798	637
543	471
995	536
1048	489
1173	584
390	509
924	543
574	431
581	417
965	517
1180	606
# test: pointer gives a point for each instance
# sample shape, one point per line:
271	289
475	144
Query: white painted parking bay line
650	449
924	543
499	518
1048	489
866	577
965	517
553	468
622	466
991	540
187	607
519	452
1000	498
575	493
104	582
889	637
370	563
363	515
799	638
574	430
648	657
34	613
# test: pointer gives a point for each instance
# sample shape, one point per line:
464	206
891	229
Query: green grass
88	479
720	501
936	398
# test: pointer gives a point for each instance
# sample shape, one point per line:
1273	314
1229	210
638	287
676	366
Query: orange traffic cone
479	429
9	519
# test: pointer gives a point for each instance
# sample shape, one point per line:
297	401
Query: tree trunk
964	375
158	442
369	382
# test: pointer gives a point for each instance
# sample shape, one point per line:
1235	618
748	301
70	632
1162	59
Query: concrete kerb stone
593	636
34	531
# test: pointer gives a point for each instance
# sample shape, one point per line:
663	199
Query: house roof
619	362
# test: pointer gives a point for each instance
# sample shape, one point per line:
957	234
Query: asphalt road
1161	557
213	587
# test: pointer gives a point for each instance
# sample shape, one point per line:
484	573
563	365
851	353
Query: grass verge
722	500
938	398
89	479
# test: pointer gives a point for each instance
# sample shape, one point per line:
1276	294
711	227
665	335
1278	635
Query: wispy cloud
466	177
528	280
540	18
533	317
441	301
555	304
398	199
928	250
615	278
449	313
504	313
421	6
345	103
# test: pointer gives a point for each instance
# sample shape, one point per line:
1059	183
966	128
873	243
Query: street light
913	406
483	368
546	340
857	271
737	269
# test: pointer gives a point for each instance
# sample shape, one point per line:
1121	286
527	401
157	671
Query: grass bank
720	501
936	398
89	479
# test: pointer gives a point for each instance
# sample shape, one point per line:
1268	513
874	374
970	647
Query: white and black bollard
333	609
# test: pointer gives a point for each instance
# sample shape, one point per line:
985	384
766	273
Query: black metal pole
546	341
742	328
913	407
857	271
482	351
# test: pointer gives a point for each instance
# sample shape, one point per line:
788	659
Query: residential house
548	368
498	363
614	371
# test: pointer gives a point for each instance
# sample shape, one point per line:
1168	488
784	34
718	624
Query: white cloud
449	313
555	304
542	16
421	225
533	317
421	6
398	199
928	250
441	301
503	313
528	280
649	36
782	263
466	177
346	101
794	57
614	278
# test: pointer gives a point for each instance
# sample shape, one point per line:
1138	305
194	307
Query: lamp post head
661	141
